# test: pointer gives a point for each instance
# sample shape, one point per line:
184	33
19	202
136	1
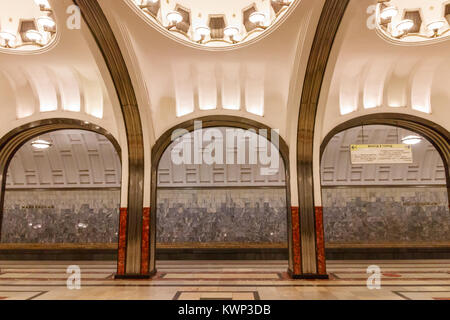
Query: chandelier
413	21
220	24
29	33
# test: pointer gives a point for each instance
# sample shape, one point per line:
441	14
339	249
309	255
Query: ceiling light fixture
36	37
202	32
388	12
41	144
33	35
263	16
405	25
411	140
231	32
174	18
8	37
46	22
43	4
257	18
435	26
412	22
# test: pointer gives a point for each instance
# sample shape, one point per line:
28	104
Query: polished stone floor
239	280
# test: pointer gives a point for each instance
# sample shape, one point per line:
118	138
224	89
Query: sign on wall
380	153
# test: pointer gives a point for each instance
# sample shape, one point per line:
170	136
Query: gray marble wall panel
222	215
63	216
386	215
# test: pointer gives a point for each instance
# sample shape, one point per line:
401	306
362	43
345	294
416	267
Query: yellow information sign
381	153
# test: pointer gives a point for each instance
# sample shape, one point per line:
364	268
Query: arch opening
233	206
61	181
393	209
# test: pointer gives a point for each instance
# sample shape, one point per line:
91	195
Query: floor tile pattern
237	280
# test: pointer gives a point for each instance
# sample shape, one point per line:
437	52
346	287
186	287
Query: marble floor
227	280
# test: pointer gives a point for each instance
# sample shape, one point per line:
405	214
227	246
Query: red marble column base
121	261
296	272
320	242
121	255
145	246
296	245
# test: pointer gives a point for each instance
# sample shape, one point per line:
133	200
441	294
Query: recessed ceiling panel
214	23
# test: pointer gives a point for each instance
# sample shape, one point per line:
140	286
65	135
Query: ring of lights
33	40
394	25
199	35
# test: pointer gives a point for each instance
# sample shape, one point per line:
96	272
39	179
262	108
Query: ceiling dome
26	25
413	22
214	24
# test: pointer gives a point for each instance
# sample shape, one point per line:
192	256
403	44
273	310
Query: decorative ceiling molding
27	26
104	36
214	26
413	22
330	20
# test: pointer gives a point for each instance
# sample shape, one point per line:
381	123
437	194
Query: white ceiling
200	11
